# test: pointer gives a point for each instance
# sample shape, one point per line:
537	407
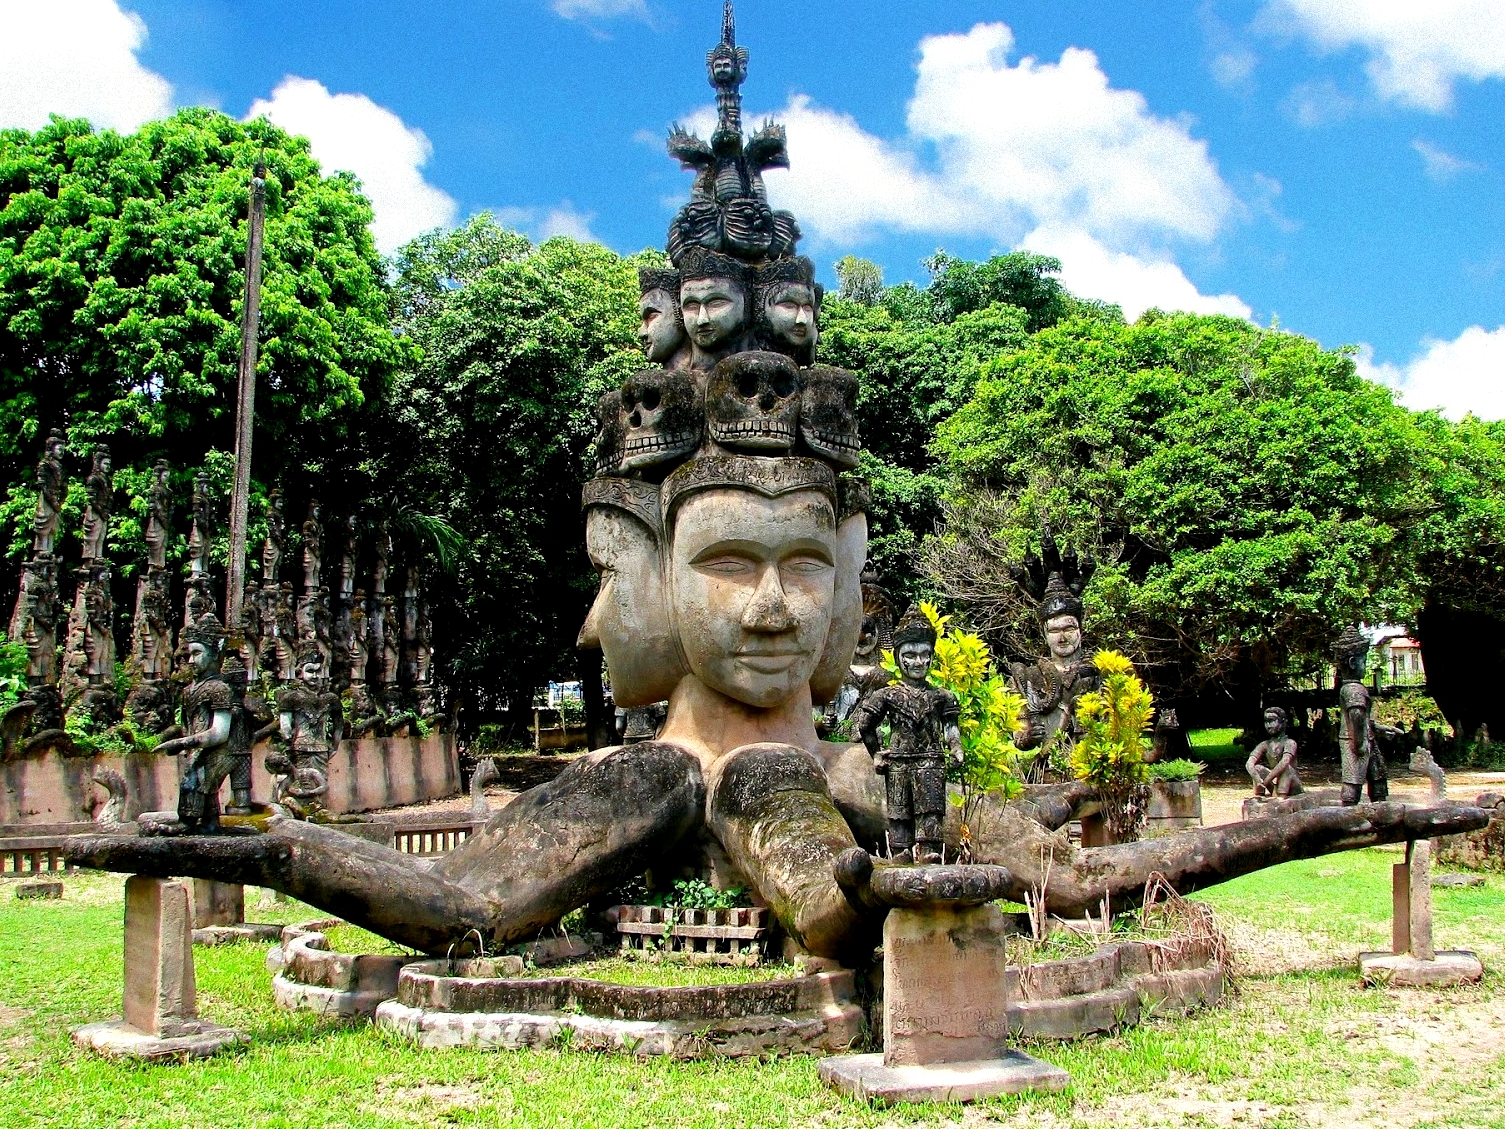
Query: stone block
868	1078
1392	970
160	991
39	890
218	903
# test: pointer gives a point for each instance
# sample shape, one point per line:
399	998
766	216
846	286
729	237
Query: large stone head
1060	615
1351	654
713	301
661	328
787	306
206	644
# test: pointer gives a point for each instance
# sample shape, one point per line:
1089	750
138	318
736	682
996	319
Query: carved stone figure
314	624
150	706
51	486
661	421
360	638
89	662
787	308
215	732
1051	686
198	598
1272	764
202	533
1358	749
752	404
268	601
309	720
382	551
313	547
828	415
391	642
251	631
423	647
35	620
271	548
286	631
713	301
866	672
100	490
661	327
158	516
152	630
924	728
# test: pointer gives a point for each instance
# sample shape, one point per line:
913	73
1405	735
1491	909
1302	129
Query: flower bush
1109	754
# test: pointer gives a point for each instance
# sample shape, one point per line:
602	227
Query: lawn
1301	1044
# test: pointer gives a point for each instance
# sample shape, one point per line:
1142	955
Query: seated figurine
1272	764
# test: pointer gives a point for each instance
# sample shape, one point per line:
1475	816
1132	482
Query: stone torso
1050	693
202	700
916	716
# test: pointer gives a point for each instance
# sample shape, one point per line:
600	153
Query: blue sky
1335	164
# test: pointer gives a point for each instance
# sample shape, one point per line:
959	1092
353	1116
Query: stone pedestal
161	1012
1413	960
219	915
946	1026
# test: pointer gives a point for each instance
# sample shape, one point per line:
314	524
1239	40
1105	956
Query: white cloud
1417	51
1462	376
599	9
351	133
541	224
1091	270
1234	67
1319	103
77	58
1439	164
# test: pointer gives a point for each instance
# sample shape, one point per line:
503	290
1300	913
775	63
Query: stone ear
846	609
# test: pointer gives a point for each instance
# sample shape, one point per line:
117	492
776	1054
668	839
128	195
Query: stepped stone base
246	931
197	1039
866	1078
1382	970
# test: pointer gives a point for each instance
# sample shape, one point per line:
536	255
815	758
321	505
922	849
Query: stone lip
1402	970
866	1078
118	1039
915	887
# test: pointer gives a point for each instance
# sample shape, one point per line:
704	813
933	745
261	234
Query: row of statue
372	655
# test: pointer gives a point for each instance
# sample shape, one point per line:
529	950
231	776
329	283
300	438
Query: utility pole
245	413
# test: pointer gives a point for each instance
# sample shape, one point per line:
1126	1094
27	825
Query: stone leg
899	802
771	808
930	810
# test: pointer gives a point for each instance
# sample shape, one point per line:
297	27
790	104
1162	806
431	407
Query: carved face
104	464
629	621
55	449
828	414
202	659
1063	634
914	660
753	581
661	420
790	309
608	454
867	642
752	403
714	310
311	672
659	329
1273	723
723	68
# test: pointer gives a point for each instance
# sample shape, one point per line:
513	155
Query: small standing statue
100	490
923	725
158	516
216	734
51	485
271	548
310	722
313	547
1358	749
1272	764
202	533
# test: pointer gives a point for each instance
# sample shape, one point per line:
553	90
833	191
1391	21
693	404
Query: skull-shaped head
660	419
609	433
828	415
752	403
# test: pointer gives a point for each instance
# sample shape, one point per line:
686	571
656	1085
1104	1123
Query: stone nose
768	610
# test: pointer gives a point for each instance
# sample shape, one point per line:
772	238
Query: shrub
1180	769
1109	755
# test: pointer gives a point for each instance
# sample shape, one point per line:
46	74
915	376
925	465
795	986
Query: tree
861	280
1246	491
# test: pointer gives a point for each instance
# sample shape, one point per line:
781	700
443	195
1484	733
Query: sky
1329	166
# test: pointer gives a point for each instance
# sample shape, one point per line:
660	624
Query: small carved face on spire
715	312
790	309
660	330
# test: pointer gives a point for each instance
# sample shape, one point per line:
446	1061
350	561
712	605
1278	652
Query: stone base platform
312	978
866	1078
1389	970
246	931
118	1039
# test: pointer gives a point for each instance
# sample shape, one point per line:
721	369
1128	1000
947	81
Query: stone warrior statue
51	485
215	733
1358	747
1051	686
1272	764
101	495
158	516
310	723
923	722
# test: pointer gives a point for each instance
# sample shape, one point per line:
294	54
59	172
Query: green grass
1294	1048
1215	745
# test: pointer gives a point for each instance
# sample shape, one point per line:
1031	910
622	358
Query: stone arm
1358	729
866	718
1254	766
1287	757
217	734
951	729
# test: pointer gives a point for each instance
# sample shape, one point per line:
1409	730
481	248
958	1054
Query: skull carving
752	402
609	433
660	419
828	414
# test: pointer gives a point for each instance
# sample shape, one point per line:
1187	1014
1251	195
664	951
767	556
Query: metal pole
240	497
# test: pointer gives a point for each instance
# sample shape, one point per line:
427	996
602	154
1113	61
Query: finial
728	25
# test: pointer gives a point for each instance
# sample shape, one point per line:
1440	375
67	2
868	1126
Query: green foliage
692	893
1179	769
1109	754
1406	708
13	660
1020	279
861	280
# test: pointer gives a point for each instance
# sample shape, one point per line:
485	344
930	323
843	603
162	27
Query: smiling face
790	309
1064	635
659	330
714	310
754	581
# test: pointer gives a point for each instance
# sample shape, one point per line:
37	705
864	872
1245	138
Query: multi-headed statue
1272	764
923	725
100	491
1358	745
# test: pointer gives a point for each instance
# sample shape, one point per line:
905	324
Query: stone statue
787	308
310	722
1358	747
100	491
271	548
866	673
423	647
1272	764
391	642
251	631
382	551
1051	686
158	516
267	600
52	484
314	623
286	609
89	663
203	527
924	727
35	620
661	327
152	629
150	706
713	301
410	627
215	732
360	638
313	547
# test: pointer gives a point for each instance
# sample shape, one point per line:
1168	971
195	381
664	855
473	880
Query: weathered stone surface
159	983
1173	805
247	932
1256	807
1458	881
198	1039
41	890
869	1078
920	886
1384	970
218	903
